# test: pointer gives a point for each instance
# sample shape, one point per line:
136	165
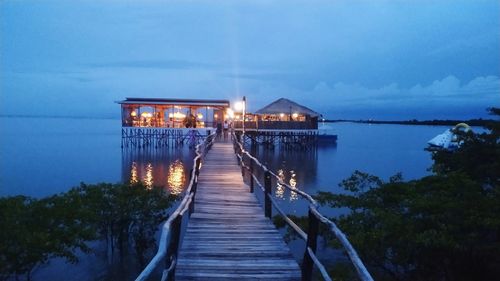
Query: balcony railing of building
277	125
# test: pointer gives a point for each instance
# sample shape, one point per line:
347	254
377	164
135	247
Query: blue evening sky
345	59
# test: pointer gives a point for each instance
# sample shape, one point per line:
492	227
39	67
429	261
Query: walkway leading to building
228	237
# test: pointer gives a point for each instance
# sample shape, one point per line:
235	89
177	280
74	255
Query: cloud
447	95
155	64
444	98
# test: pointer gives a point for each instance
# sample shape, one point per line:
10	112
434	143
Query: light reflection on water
293	183
133	173
281	191
176	177
148	178
164	168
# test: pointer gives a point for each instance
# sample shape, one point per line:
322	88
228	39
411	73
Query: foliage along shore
471	122
33	231
445	226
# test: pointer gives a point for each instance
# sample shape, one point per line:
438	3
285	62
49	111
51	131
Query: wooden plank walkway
228	237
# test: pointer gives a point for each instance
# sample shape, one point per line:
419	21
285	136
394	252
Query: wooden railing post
238	153
173	244
191	207
190	174
267	187
312	240
243	165
193	189
251	176
197	167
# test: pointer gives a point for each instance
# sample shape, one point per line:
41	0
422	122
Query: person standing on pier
219	130
226	129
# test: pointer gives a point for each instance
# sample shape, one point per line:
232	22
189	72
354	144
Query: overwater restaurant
173	113
282	114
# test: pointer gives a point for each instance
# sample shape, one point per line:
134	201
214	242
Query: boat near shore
324	135
449	139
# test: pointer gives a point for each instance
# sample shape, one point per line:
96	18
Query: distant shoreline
56	117
472	122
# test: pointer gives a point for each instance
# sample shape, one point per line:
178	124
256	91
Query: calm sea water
45	156
381	150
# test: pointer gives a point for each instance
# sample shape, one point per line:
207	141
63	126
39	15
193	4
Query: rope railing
170	230
315	217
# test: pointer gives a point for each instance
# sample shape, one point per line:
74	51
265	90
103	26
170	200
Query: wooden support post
193	189
312	240
243	166
253	152
239	153
251	176
195	183
191	207
173	244
267	202
198	165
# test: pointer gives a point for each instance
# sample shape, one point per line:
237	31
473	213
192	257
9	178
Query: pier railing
170	236
310	236
277	125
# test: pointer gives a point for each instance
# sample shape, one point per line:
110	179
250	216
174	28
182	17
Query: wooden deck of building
228	237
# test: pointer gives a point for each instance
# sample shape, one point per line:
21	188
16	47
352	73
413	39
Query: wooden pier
228	237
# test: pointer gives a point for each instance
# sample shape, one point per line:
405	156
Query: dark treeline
445	226
35	230
471	122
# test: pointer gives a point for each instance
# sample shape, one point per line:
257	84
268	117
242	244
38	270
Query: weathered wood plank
228	237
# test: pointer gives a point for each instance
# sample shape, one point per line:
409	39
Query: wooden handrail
265	169
166	244
273	125
166	272
319	265
293	225
314	217
353	255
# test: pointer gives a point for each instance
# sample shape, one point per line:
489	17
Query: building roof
286	106
188	102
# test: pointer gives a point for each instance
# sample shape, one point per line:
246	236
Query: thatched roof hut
286	106
282	114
